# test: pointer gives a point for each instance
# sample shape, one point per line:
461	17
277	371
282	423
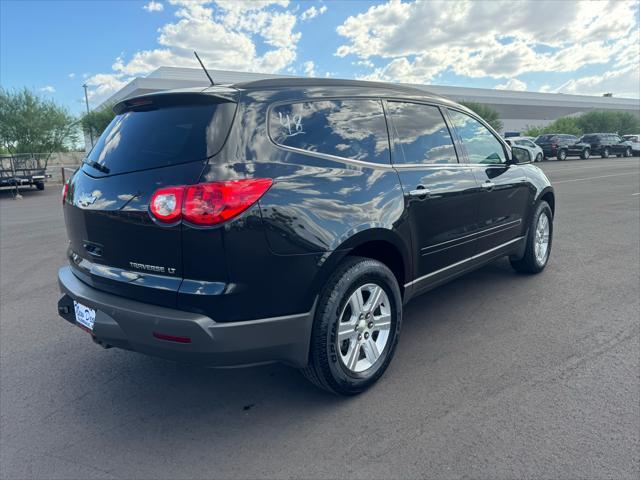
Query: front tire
605	153
40	185
586	153
562	155
539	239
628	153
356	327
538	157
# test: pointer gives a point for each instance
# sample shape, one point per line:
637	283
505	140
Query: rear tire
539	239
605	153
538	157
628	153
562	154
354	338
586	153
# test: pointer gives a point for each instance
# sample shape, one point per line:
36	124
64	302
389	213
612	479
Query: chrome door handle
488	185
420	191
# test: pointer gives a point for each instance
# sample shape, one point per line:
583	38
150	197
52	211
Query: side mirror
520	155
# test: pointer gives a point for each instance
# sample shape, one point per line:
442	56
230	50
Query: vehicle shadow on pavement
155	389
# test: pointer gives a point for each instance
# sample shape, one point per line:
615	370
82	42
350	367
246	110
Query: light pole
86	101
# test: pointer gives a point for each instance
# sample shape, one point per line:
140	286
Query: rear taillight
207	203
166	204
65	190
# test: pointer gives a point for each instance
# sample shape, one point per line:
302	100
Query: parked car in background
634	142
525	142
606	144
282	220
561	146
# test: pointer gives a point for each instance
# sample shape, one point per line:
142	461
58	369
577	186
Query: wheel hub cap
364	327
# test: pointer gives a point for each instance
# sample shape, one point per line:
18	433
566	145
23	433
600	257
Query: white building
517	109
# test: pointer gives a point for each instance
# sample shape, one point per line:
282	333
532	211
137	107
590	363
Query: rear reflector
171	338
207	203
65	190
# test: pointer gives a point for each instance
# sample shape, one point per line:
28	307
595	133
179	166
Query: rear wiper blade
96	165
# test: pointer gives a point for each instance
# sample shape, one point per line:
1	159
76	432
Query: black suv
562	146
605	144
289	220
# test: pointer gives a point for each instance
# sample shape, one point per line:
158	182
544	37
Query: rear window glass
353	129
421	134
159	136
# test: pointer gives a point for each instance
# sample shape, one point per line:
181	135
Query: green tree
568	125
32	124
622	123
96	121
491	116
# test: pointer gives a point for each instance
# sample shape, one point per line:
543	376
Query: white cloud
227	34
154	6
309	68
312	12
48	89
72	75
622	83
105	84
512	84
419	40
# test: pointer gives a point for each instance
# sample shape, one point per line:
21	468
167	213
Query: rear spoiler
152	101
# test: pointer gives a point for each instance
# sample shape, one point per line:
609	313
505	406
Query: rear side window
546	138
420	134
160	135
481	145
352	129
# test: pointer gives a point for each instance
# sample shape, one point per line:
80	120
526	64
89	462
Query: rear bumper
129	324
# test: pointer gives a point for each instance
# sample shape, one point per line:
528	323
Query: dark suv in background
289	220
562	146
605	144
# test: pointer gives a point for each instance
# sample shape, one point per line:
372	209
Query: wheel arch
379	244
548	196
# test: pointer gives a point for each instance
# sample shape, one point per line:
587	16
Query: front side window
481	145
353	129
421	134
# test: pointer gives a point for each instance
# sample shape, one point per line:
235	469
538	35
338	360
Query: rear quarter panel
316	210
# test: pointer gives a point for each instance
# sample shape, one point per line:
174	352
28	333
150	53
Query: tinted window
158	137
546	138
353	129
421	134
481	145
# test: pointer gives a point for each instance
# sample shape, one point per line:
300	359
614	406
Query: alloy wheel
364	327
541	240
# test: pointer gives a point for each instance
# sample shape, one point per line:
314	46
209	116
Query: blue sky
572	47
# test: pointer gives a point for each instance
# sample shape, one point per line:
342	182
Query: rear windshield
545	138
160	133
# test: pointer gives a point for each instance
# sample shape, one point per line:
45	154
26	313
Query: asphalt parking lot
497	375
